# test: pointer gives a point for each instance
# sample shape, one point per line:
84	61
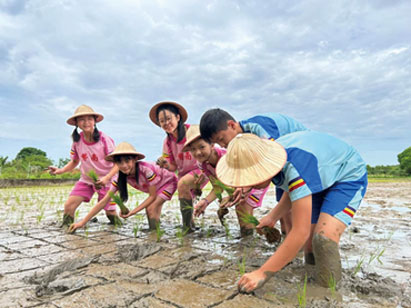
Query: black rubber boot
67	221
186	207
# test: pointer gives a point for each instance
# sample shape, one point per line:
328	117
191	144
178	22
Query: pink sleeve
114	186
108	142
73	152
167	152
150	174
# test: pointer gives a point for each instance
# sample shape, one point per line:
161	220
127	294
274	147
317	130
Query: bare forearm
96	209
70	166
285	253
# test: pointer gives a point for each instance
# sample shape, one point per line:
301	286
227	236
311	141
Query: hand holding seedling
239	195
101	182
200	207
75	226
162	162
266	221
251	281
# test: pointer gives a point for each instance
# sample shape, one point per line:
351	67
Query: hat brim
110	157
186	147
72	120
272	163
153	111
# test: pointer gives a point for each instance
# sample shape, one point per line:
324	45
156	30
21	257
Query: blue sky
342	67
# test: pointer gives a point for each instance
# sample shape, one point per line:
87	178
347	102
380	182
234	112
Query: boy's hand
266	221
252	281
200	207
75	226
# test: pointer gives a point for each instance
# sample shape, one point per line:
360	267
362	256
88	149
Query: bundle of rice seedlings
93	175
117	199
271	234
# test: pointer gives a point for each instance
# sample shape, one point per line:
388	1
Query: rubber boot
67	221
153	223
309	258
245	232
327	260
186	207
114	220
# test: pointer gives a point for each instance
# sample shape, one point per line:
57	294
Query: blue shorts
341	200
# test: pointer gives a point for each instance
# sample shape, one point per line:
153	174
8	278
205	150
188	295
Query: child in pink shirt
208	156
159	183
171	116
89	149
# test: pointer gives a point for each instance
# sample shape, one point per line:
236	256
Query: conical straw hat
153	111
193	134
82	111
250	161
124	148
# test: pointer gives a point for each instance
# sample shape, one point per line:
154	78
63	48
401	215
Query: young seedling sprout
117	199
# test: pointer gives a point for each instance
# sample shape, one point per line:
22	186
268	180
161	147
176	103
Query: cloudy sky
342	67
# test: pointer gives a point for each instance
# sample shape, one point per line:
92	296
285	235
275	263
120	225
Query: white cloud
341	67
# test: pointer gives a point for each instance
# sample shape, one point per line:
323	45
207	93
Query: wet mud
129	266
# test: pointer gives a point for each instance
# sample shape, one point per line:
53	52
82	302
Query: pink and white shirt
173	152
92	156
149	174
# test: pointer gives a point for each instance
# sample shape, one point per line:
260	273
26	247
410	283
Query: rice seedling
227	232
180	234
93	175
332	284
358	266
159	232
241	264
302	293
117	199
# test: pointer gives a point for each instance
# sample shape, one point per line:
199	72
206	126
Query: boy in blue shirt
218	126
324	180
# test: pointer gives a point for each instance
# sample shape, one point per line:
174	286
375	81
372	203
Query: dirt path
128	267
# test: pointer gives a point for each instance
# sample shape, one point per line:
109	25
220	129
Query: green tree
404	158
63	162
26	152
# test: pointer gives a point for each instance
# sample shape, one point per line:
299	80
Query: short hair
213	121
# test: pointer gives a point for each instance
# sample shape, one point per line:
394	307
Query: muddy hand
252	281
266	221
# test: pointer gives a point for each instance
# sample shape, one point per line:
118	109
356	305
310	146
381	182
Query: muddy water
104	266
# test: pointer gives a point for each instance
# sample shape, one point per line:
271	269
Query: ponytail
96	134
75	135
122	181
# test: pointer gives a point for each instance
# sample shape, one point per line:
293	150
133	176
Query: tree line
31	163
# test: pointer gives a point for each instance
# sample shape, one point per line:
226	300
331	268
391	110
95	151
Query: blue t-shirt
271	125
315	162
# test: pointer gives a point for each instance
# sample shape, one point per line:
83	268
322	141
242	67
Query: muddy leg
114	220
328	260
241	209
308	248
153	223
67	220
186	207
